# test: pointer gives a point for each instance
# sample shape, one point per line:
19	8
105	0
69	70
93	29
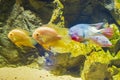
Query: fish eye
97	38
11	34
106	42
37	34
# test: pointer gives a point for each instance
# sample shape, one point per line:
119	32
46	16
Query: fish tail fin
108	32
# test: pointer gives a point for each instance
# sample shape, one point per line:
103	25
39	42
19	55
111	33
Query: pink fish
82	32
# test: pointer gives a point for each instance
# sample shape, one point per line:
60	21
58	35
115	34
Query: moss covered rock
96	66
18	18
63	63
98	71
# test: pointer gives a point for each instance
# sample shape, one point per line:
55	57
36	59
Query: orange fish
45	35
20	38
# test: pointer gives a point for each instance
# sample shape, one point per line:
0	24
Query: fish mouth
13	39
107	45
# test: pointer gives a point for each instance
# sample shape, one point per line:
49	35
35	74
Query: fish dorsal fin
25	31
98	25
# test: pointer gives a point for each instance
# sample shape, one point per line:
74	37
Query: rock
71	11
77	11
5	9
86	11
117	47
3	61
23	19
62	63
97	71
13	54
115	12
18	19
96	66
42	8
30	14
115	62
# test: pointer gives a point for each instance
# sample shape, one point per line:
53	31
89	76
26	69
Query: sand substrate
27	73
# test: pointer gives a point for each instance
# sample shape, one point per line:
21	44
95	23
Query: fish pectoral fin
59	36
14	39
18	44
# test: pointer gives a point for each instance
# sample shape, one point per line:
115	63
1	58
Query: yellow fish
20	38
46	36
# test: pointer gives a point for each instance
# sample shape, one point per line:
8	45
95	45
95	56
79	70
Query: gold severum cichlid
20	38
46	36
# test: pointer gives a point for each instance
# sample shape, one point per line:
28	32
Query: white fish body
101	40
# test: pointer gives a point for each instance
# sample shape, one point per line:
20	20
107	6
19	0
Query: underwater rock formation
117	46
43	8
5	9
77	11
65	64
30	14
18	18
98	71
87	11
96	66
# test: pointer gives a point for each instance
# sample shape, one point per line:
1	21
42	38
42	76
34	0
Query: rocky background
30	14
